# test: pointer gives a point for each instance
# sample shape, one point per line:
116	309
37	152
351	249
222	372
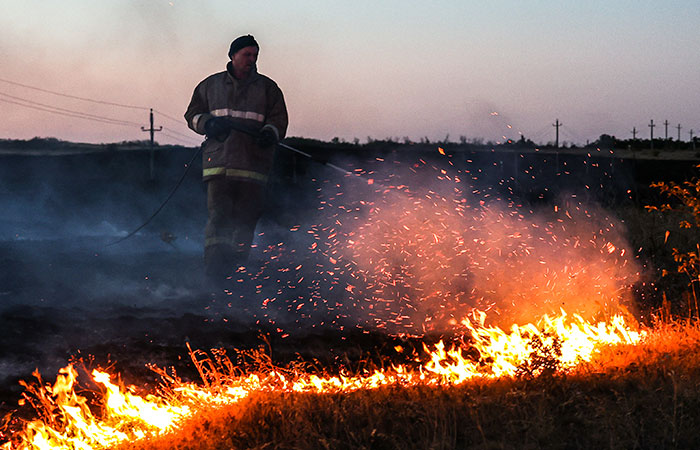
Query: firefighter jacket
254	103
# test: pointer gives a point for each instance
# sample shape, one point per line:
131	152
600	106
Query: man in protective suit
236	164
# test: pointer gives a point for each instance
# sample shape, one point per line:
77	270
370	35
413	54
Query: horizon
390	70
667	147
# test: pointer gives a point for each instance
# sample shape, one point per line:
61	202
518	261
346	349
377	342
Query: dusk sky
357	69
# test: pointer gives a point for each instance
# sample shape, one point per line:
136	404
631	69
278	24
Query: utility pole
651	126
634	133
679	132
152	156
556	125
666	129
692	141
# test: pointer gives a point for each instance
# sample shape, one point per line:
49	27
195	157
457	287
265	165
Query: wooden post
152	130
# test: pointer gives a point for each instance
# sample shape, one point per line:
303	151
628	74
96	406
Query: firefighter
236	165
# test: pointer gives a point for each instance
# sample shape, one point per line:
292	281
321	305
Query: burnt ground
66	294
142	304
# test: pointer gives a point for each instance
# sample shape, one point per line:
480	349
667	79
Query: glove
267	138
217	128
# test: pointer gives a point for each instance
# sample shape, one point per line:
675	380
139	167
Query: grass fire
554	345
490	322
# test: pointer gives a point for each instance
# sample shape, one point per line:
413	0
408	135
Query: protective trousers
234	209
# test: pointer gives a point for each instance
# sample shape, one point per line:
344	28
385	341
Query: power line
179	121
177	132
192	141
20	101
540	133
102	102
78	113
85	99
180	134
572	133
176	138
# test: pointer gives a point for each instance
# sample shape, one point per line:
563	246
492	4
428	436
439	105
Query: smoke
417	250
59	214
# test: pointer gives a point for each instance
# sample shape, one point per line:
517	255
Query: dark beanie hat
242	42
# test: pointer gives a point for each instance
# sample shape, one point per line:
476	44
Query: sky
356	70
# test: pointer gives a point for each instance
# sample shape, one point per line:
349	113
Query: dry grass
644	396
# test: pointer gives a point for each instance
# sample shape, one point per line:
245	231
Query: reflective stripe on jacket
255	102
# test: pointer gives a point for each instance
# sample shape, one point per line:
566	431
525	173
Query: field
315	293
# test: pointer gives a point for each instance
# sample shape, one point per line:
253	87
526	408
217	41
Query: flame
70	424
562	342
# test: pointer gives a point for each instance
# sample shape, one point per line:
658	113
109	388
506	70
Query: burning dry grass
632	396
648	410
641	394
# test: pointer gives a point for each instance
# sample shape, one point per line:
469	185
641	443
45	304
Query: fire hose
162	205
255	133
237	127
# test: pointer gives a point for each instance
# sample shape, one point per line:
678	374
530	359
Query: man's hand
267	138
217	128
